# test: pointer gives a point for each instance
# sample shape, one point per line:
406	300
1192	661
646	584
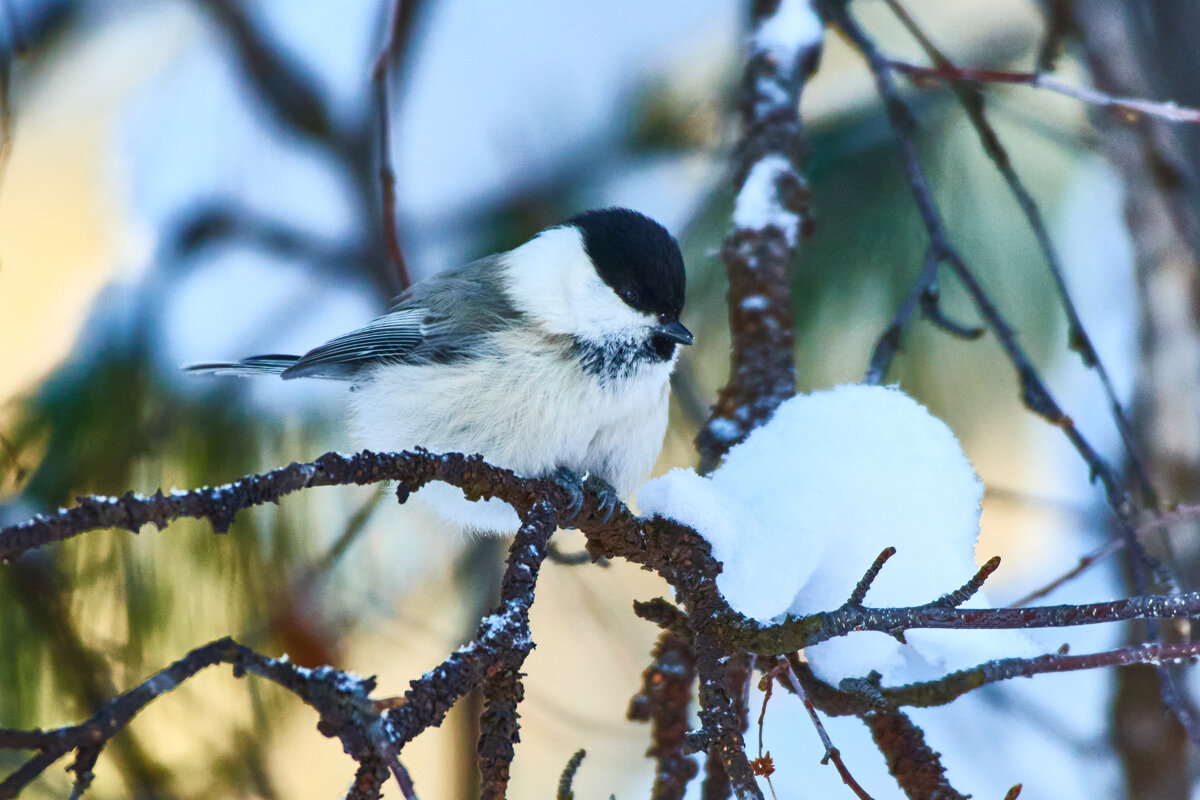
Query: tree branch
1127	107
399	30
280	81
340	698
770	214
220	504
502	642
664	699
799	632
973	103
831	752
502	688
955	685
1034	392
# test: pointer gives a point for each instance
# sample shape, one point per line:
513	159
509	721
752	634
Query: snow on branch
771	212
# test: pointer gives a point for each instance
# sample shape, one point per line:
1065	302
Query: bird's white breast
526	406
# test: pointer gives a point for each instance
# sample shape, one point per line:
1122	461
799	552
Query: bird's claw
572	484
576	489
609	499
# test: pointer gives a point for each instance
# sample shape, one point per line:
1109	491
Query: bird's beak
675	332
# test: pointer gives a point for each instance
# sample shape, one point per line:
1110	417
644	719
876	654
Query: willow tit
553	356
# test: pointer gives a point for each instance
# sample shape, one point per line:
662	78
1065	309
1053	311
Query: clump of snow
795	26
758	204
755	302
800	510
724	429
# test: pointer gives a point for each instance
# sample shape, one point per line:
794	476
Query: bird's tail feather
254	365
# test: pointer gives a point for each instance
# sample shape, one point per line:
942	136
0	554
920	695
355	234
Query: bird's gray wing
440	320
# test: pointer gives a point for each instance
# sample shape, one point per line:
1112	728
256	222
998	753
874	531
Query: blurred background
189	181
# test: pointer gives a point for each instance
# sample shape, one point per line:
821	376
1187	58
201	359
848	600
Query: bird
552	359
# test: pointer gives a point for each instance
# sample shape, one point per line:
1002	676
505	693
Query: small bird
551	359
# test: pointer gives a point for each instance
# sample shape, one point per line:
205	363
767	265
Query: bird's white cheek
552	280
599	315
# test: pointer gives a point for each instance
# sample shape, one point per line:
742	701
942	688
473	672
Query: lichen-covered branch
502	688
664	700
673	550
800	632
371	733
501	643
676	552
220	504
953	686
342	700
770	214
916	766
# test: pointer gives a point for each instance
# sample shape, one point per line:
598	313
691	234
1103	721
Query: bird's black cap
637	257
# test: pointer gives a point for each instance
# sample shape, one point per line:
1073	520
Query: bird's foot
609	499
572	484
576	488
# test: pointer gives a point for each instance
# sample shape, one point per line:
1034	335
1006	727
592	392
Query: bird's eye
630	296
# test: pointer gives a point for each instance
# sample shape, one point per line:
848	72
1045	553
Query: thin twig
1078	339
970	588
1034	392
864	585
399	772
568	776
764	765
1129	107
387	175
831	752
1162	520
951	687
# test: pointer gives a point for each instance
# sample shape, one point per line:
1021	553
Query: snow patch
800	510
794	27
758	207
